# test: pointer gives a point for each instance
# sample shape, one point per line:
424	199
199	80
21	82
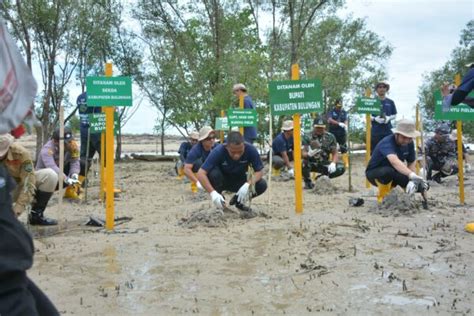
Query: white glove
389	118
75	176
71	181
342	125
243	192
199	185
313	152
217	199
411	188
415	178
291	172
467	167
379	120
332	167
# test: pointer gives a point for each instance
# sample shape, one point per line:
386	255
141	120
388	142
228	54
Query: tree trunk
163	137
118	150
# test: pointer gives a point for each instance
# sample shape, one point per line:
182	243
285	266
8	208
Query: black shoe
39	219
308	185
233	200
437	177
242	207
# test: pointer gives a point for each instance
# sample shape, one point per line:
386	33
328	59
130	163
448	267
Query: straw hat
454	135
406	128
205	132
194	135
239	86
5	141
382	83
287	126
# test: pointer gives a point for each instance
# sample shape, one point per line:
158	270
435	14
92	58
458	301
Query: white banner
17	85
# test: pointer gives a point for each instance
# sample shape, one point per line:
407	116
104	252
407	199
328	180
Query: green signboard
368	105
460	112
109	91
221	124
242	117
307	124
97	123
295	96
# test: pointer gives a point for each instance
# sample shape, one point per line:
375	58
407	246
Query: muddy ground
334	258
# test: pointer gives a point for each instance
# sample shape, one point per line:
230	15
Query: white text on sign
296	106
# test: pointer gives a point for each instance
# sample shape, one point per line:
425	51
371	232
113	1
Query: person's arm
188	171
284	155
75	156
400	166
335	156
47	156
332	121
204	180
256	177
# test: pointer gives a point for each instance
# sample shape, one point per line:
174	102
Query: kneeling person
226	169
199	154
387	168
282	147
318	149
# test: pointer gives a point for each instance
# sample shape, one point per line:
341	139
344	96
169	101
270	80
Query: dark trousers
94	145
232	183
375	139
18	294
341	138
386	174
321	167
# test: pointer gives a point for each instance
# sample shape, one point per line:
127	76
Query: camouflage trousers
321	167
446	168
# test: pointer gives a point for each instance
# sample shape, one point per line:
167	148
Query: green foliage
460	56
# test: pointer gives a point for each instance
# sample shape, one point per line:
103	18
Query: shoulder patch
50	152
28	166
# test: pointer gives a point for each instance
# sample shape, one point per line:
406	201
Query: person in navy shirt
250	132
387	168
226	168
184	150
282	147
381	124
461	93
94	139
337	119
199	153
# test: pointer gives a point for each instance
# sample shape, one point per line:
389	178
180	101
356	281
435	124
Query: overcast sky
422	32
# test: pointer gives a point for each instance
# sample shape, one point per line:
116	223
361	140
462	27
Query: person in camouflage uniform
441	155
33	188
318	146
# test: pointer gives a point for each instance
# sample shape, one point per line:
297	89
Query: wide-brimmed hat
239	86
406	128
67	134
319	122
382	83
5	141
287	125
205	132
470	64
194	135
454	135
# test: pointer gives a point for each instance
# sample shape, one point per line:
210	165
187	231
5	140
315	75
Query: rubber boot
275	172
82	180
384	189
36	216
71	192
345	159
180	173
194	187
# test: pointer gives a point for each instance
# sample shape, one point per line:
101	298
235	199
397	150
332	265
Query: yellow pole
367	138
241	105
102	164
418	138
109	176
295	75
457	82
222	132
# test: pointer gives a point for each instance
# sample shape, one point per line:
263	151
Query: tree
432	82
